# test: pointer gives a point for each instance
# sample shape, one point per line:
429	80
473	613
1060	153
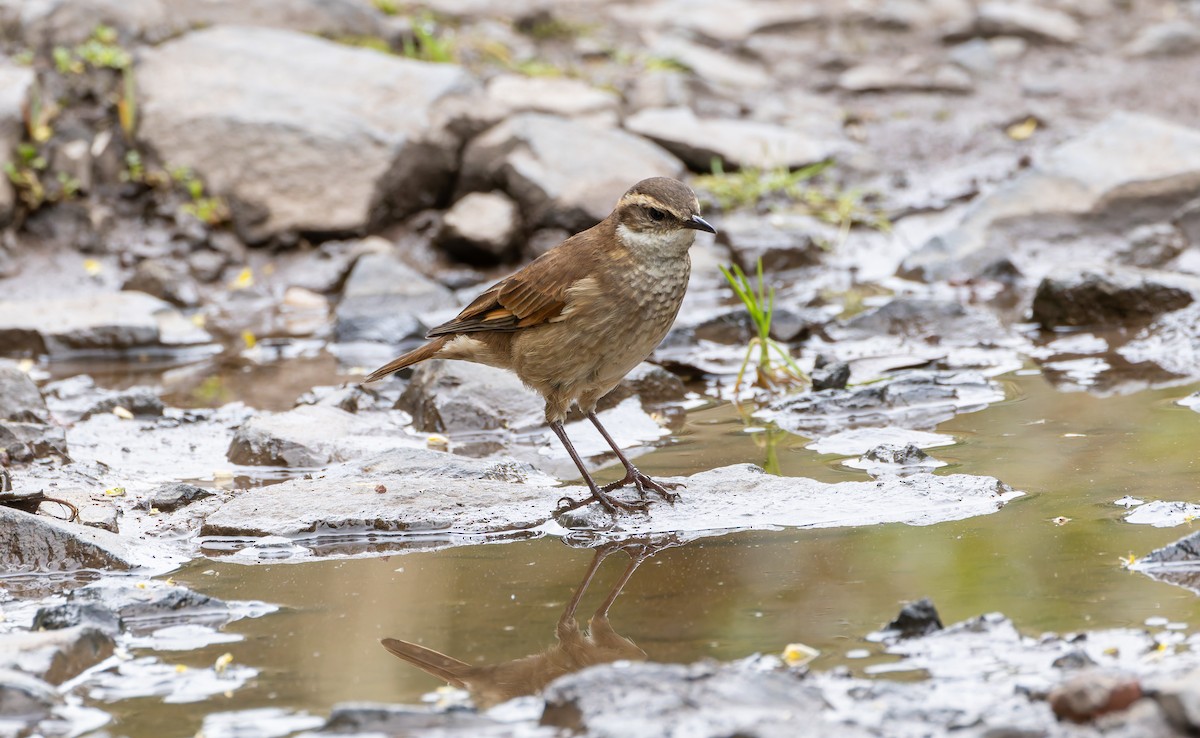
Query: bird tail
428	351
429	661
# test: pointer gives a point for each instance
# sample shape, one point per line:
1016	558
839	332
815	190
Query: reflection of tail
429	661
421	353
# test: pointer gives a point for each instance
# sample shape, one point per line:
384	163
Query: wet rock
367	719
121	321
306	436
1187	220
27	441
736	143
894	458
140	401
1179	701
1110	297
76	614
830	375
913	76
918	399
1128	170
915	619
166	280
537	159
20	399
1177	563
570	98
1086	696
781	240
452	396
1173	38
15	84
382	299
302	134
1027	21
481	226
95	511
55	655
647	700
30	543
1153	246
142	605
650	383
25	700
170	497
931	320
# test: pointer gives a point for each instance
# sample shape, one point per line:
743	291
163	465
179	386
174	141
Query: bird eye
656	214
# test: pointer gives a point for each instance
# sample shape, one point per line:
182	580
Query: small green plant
664	64
24	58
374	43
210	209
387	7
760	304
25	175
748	186
425	44
102	50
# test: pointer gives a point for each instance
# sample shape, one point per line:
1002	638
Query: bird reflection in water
574	650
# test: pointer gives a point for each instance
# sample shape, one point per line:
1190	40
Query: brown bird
577	319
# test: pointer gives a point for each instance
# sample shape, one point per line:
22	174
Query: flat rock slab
422	493
33	543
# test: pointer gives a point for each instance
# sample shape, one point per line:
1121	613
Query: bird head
659	213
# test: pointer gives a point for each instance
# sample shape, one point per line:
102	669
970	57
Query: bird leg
640	481
609	502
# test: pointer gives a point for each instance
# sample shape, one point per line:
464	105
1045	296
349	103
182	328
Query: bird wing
535	295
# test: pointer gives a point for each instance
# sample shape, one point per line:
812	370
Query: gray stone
55	655
27	441
737	143
715	68
544	239
915	77
25	699
165	279
301	134
306	436
43	23
480	225
1028	21
142	605
143	401
1153	246
382	299
15	84
121	321
538	160
1110	297
34	543
452	396
1173	38
1187	220
781	240
1128	170
570	98
20	399
724	22
371	719
423	497
175	495
1179	700
1091	693
650	383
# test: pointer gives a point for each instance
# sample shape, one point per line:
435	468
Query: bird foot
643	484
607	501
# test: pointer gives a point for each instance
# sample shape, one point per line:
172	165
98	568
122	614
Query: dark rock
20	399
915	619
537	158
354	136
1110	297
907	455
173	496
55	655
1177	563
545	239
652	384
306	436
1092	693
1153	246
928	319
146	604
206	265
480	227
361	719
143	401
736	143
1179	701
382	299
105	322
27	441
25	699
1077	659
1187	220
72	614
833	375
30	543
450	396
781	241
166	280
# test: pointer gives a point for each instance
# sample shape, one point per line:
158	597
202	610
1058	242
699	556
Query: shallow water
732	595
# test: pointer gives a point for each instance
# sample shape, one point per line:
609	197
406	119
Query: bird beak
699	224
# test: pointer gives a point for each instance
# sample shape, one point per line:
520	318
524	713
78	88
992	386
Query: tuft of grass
100	51
771	373
664	64
426	44
209	209
387	7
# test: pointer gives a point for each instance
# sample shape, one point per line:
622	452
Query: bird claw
642	483
607	501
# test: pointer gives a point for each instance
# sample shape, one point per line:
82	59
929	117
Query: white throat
656	245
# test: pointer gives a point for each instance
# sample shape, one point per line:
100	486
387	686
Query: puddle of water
1051	561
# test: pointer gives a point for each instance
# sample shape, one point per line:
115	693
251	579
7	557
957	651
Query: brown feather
412	357
429	661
